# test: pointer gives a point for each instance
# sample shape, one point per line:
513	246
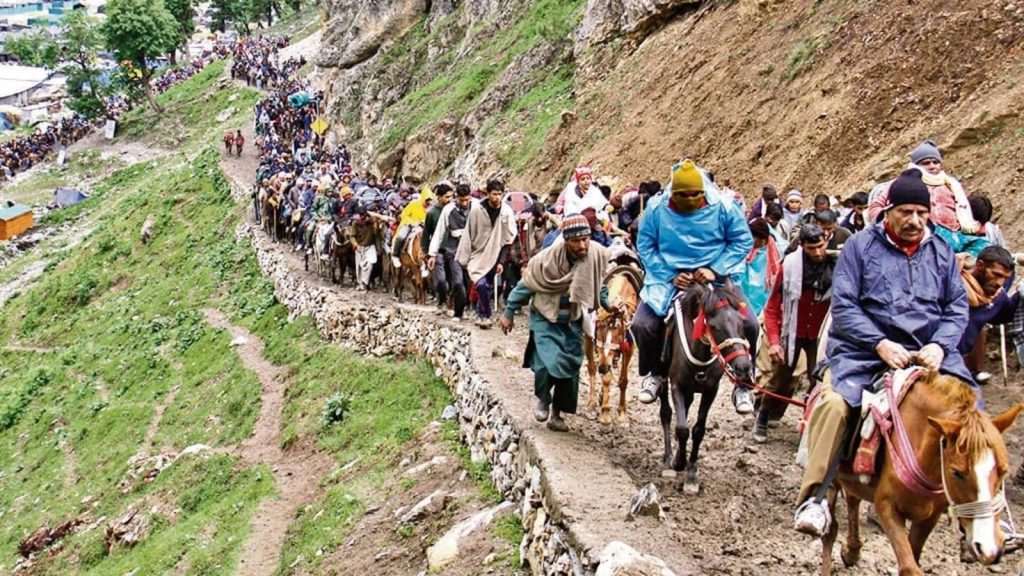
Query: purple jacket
879	292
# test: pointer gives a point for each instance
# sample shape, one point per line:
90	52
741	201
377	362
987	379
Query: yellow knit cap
686	177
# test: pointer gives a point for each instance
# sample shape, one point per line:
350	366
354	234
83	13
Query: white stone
620	559
434	502
446	549
239	341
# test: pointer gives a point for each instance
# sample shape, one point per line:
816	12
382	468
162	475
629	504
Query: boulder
604	20
358	29
432	504
446	549
620	559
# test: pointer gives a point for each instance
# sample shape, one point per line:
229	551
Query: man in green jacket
565	281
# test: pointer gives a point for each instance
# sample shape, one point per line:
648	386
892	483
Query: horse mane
707	298
975	427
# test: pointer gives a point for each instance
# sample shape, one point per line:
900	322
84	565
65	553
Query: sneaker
812	518
760	433
650	388
556	424
484	323
396	261
541	410
982	378
743	400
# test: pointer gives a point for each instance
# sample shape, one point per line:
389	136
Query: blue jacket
879	292
715	237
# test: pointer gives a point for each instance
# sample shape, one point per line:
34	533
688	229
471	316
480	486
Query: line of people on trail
908	276
841	292
22	153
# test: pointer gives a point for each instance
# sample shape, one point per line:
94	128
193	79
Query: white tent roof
17	79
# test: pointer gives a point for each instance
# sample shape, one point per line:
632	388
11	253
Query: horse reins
742	349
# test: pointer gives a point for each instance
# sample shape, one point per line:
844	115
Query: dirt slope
824	96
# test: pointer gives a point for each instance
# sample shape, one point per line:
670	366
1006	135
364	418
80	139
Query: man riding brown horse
897	298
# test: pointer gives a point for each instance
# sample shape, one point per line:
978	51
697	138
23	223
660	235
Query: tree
231	14
183	15
81	41
138	31
38	49
74	51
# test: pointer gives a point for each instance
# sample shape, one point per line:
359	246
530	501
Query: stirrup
807	528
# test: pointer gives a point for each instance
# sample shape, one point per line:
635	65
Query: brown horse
612	347
960	450
412	268
229	141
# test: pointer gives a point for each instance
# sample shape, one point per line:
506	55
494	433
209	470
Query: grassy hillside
114	330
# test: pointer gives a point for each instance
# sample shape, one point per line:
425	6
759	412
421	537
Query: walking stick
1002	351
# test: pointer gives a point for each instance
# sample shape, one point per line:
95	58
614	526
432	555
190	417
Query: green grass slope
118	331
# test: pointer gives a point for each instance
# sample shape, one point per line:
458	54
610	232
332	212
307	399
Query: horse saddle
876	416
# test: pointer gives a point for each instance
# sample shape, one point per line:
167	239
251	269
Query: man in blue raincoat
689	233
896	292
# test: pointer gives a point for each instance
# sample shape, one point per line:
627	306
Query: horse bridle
741	344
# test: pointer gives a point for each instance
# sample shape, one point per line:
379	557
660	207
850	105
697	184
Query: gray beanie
927	149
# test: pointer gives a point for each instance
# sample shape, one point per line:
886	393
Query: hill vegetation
108	361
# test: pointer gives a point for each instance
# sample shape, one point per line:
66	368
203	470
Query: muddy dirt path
741	521
297	471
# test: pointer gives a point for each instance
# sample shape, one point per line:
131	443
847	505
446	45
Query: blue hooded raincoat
715	236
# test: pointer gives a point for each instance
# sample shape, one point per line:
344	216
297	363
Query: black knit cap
908	188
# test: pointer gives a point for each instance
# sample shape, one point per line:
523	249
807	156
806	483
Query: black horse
710	320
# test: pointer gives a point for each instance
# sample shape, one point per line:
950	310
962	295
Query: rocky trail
740	522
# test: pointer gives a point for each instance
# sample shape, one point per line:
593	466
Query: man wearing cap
896	292
689	233
565	281
792	210
951	211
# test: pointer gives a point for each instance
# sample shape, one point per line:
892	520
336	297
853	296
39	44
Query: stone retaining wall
485	425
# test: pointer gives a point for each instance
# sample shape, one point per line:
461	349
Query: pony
705	336
229	141
960	452
342	252
323	232
411	257
611	346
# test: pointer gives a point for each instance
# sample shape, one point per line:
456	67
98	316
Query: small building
14	221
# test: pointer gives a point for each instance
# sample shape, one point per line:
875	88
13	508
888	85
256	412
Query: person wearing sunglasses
950	210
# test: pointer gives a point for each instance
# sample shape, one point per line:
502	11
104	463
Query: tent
68	197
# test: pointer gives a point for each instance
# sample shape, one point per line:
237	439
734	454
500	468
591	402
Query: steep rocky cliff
824	95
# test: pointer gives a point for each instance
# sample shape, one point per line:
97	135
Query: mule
705	339
961	453
342	253
612	347
412	269
323	232
229	141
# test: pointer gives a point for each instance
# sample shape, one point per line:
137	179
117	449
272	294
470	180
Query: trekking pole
496	278
1002	352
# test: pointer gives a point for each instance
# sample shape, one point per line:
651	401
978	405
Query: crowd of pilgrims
23	152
